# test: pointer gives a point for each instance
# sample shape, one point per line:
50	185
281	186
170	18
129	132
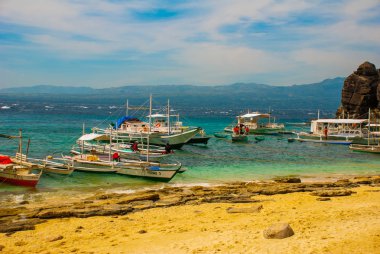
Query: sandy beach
341	224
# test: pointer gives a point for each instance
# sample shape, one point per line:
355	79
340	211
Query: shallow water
54	132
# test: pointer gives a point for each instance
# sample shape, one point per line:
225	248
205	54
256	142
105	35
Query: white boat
96	143
158	130
152	170
256	125
334	131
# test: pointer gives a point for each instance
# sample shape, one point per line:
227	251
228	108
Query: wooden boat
256	125
17	171
14	173
365	148
239	137
146	169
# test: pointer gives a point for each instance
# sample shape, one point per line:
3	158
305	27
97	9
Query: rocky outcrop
361	92
14	217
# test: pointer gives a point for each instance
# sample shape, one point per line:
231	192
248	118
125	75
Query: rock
13	226
25	202
253	209
360	92
142	231
362	180
332	193
2	247
278	231
323	199
54	238
287	179
143	197
20	243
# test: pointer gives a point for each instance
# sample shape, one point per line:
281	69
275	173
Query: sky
110	43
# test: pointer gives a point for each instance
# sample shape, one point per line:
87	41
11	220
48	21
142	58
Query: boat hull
198	140
28	181
239	138
365	148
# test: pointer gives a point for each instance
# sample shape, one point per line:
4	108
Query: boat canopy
123	119
93	136
157	115
341	121
255	115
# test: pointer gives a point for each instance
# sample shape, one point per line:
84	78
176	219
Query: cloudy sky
104	43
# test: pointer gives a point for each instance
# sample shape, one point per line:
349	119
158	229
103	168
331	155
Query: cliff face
361	91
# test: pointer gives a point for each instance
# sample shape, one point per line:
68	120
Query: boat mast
126	110
168	117
150	123
369	124
20	143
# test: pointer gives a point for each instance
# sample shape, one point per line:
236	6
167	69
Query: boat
237	137
221	134
334	131
16	174
372	135
99	144
159	130
365	148
53	165
259	137
145	169
13	171
200	138
256	125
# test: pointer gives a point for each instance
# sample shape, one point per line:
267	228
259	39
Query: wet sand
344	224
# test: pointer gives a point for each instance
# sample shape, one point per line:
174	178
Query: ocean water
53	129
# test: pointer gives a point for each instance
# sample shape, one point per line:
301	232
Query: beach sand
348	224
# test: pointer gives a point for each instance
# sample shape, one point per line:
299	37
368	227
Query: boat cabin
340	127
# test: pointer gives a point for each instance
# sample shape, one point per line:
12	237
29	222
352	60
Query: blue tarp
120	121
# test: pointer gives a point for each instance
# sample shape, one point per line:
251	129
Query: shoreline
125	220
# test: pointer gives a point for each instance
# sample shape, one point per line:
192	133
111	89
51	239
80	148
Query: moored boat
236	137
253	121
334	131
365	148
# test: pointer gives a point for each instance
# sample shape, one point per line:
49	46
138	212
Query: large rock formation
361	91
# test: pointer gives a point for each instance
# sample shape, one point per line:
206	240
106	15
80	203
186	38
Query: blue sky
102	43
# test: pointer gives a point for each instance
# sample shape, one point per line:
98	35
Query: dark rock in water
278	231
253	209
142	231
360	92
332	193
323	199
287	179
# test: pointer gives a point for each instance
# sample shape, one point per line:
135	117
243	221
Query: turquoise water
219	161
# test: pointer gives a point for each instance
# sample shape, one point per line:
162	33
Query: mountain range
322	95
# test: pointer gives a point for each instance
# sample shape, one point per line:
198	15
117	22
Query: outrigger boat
14	172
96	144
254	122
159	129
334	131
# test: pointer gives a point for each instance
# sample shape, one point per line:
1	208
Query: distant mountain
47	89
322	95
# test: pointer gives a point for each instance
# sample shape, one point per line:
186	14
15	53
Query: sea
53	128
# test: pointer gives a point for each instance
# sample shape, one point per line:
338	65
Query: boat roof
254	115
157	115
340	121
93	136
